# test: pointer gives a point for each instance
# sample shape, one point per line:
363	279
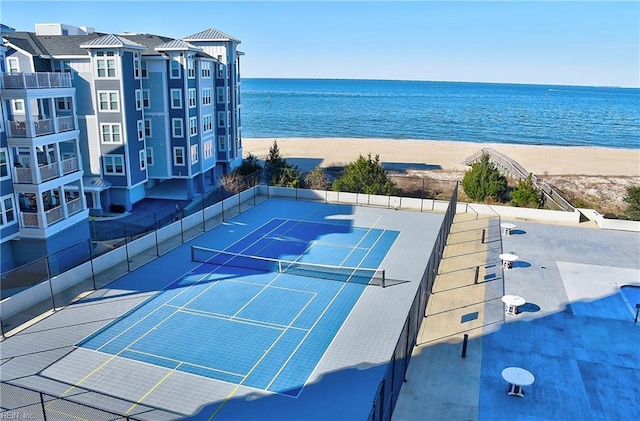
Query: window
147	128
193	126
220	69
146	102
113	164
13	65
106	66
140	130
143	160
143	69
178	155
138	99
63	104
194	153
208	149
110	133
8	210
192	98
176	98
149	155
109	101
136	66
191	68
18	106
60	66
207	123
4	164
176	127
221	119
206	69
220	92
175	68
222	142
206	96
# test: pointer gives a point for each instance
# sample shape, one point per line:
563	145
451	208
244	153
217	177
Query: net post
384	285
192	254
279	266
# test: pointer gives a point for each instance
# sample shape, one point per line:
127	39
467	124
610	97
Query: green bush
249	165
317	179
526	195
484	181
365	175
279	172
633	203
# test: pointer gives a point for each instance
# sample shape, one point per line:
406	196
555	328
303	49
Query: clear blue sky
565	42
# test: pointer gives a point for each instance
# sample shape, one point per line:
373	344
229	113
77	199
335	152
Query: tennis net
364	276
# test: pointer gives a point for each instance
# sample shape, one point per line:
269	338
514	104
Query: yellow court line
183	363
94	371
151	390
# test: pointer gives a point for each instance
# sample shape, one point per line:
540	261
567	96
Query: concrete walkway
458	306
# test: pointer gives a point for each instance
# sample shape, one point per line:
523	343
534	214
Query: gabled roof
65	45
25	41
211	34
177	45
112	41
148	40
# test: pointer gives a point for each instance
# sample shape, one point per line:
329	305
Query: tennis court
260	313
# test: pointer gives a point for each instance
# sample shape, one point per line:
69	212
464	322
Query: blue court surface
261	329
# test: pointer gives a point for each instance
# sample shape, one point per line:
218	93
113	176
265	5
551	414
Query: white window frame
147	129
108	63
206	96
142	158
178	156
4	164
4	220
174	64
205	70
180	127
113	165
146	98
138	99
191	68
13	65
194	154
207	123
144	73
173	98
222	143
65	101
110	133
17	106
208	149
193	99
220	71
110	109
193	126
61	66
140	125
149	155
136	66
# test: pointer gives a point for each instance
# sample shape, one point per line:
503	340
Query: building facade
95	122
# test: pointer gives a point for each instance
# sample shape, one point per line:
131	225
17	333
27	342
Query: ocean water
472	112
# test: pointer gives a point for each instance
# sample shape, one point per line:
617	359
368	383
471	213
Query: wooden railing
514	169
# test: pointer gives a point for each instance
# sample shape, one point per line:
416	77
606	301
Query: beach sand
308	153
588	176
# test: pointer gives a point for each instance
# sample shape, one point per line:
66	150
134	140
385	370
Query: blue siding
131	115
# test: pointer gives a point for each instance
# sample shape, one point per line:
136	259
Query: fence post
222	208
93	274
156	227
464	345
53	301
44	409
126	247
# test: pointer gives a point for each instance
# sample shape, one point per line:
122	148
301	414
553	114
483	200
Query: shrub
249	166
279	172
633	202
484	181
365	175
317	179
526	195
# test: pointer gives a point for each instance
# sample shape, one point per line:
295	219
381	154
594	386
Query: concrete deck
575	333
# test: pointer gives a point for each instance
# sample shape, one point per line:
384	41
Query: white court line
173	360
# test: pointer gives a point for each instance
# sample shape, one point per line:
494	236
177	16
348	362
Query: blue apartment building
95	122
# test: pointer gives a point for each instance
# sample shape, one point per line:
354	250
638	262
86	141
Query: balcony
41	127
52	215
45	171
36	80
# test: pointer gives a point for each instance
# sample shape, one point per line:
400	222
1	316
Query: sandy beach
590	177
308	153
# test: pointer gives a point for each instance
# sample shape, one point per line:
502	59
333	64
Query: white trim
3	210
194	153
114	156
173	127
175	156
5	151
174	90
111	133
109	110
13	60
193	126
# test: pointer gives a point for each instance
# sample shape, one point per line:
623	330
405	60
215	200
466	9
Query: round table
517	378
507	227
512	302
508	259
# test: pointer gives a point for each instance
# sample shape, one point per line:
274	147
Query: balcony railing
70	165
39	80
54	215
25	175
29	219
74	206
40	127
48	171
